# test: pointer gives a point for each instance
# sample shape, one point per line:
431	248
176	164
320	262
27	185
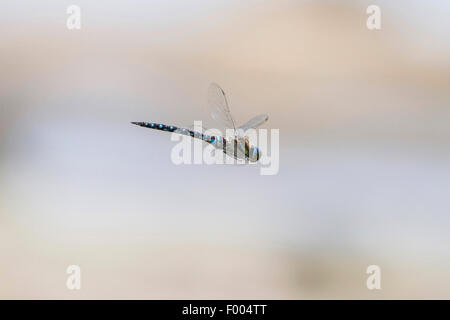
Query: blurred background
364	150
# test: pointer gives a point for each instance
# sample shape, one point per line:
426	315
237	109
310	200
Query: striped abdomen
215	140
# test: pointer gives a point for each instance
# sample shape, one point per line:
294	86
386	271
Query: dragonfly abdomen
157	126
187	132
217	141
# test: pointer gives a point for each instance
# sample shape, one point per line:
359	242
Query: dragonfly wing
254	122
218	106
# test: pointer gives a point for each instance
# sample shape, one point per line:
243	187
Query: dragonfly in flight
237	145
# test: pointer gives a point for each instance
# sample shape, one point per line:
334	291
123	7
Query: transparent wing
218	106
254	122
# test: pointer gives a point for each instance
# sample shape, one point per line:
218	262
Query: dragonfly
237	145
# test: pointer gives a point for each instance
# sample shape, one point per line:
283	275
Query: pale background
364	150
